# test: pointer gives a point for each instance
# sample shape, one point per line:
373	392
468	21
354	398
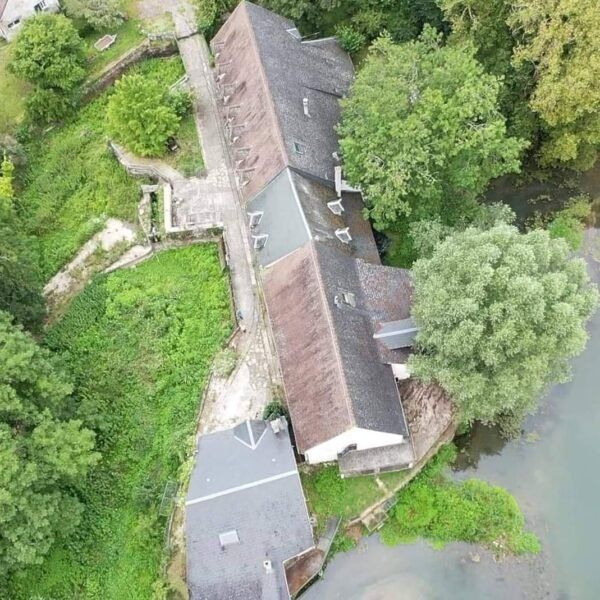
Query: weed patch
139	344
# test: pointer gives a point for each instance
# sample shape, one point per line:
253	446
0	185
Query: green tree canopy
483	23
97	14
561	38
142	115
41	453
421	132
500	314
49	53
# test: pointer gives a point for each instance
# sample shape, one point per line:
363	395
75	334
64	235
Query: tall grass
139	344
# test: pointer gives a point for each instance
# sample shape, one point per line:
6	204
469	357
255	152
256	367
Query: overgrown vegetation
500	316
434	507
139	344
73	183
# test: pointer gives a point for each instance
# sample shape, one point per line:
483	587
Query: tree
500	314
7	171
142	115
483	23
421	133
97	14
49	53
20	279
560	38
42	454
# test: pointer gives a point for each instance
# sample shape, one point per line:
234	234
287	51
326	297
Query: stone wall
147	49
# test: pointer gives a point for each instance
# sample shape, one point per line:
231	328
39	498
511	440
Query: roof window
344	235
229	538
299	148
260	241
254	218
336	206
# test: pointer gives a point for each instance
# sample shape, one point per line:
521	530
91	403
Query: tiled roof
270	71
333	372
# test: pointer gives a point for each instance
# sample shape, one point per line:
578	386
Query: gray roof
295	210
371	383
245	486
377	460
318	70
334	371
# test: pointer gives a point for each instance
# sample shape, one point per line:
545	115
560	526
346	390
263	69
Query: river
553	471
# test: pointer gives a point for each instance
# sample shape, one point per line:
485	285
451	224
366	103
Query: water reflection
482	440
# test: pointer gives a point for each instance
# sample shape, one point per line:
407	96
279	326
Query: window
14	23
343	235
299	148
40	6
254	218
260	241
336	207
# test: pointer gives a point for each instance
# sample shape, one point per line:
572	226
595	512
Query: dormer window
254	218
260	241
343	235
336	207
299	148
14	23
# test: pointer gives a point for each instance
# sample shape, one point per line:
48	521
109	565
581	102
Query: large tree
42	453
97	14
49	53
421	132
561	39
500	315
143	115
483	23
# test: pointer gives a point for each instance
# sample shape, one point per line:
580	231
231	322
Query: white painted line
239	488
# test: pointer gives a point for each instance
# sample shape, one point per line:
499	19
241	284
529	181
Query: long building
340	319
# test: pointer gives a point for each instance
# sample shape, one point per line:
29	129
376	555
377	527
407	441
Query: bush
97	14
48	105
141	116
569	223
442	511
273	410
350	39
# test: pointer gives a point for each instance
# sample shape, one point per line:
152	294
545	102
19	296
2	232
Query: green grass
129	35
188	158
440	510
139	344
12	94
73	183
329	495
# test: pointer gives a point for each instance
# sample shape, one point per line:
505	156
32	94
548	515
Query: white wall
363	438
22	9
400	371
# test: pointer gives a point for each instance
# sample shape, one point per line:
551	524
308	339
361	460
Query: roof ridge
265	82
338	355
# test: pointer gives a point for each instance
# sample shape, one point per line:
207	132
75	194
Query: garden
138	345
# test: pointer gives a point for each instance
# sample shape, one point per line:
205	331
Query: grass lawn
188	158
128	35
139	344
73	183
12	94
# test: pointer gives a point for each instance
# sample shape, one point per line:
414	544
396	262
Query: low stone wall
147	49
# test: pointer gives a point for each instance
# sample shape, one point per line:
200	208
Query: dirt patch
429	412
96	254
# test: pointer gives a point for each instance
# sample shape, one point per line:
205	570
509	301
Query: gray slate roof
245	480
295	211
317	70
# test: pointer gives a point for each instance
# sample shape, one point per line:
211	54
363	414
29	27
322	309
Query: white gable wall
363	438
21	10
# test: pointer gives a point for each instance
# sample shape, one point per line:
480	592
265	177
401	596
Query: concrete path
248	389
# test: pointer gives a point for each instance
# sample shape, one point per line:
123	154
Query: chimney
267	566
305	106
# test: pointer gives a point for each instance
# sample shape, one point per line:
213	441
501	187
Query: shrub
350	39
273	410
142	115
97	14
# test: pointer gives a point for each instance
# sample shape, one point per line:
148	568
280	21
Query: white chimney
305	106
268	566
